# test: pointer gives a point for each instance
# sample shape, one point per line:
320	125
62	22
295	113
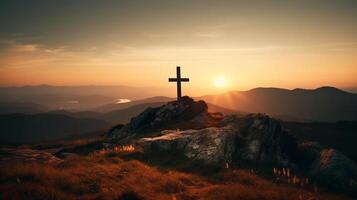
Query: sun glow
220	82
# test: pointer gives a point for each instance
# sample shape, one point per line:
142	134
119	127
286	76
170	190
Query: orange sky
279	44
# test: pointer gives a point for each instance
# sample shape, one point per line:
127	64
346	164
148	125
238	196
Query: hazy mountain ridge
119	106
105	90
321	104
76	97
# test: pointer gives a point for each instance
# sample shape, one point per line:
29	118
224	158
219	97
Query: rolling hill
124	115
50	92
24	128
119	106
23	107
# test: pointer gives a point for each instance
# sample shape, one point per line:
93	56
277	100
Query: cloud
208	35
24	48
55	50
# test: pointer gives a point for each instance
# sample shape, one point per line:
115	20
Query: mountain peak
266	89
329	89
324	89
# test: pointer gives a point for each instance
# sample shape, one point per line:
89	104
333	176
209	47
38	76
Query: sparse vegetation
107	175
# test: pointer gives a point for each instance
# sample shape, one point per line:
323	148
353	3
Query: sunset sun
220	82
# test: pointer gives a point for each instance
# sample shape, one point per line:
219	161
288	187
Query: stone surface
335	170
254	138
211	145
175	112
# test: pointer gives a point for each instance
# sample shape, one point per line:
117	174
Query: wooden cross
178	79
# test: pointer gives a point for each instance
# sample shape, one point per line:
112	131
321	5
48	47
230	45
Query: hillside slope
22	128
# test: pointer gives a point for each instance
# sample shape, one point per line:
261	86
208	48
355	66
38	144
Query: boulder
334	170
254	138
172	115
260	138
211	145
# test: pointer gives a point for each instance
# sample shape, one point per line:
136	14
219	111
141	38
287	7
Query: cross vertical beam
178	76
178	79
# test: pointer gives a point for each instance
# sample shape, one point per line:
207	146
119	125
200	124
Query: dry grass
107	176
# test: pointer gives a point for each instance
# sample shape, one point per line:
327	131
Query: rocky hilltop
186	127
183	114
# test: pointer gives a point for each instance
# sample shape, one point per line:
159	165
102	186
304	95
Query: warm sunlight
220	82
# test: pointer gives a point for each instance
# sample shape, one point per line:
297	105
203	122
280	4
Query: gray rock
255	138
211	145
260	138
334	170
153	119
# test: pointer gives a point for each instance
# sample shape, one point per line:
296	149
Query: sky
243	44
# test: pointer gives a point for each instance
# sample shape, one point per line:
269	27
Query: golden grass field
110	175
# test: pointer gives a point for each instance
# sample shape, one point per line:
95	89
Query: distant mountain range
76	97
32	122
321	104
118	91
301	105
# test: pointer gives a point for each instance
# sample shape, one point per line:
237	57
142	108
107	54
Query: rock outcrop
334	170
176	114
212	145
186	127
254	138
259	139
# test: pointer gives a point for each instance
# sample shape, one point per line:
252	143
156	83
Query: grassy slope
108	175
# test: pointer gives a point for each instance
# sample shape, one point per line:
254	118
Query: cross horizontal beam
182	79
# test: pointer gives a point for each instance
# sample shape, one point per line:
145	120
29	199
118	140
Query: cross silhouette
178	79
